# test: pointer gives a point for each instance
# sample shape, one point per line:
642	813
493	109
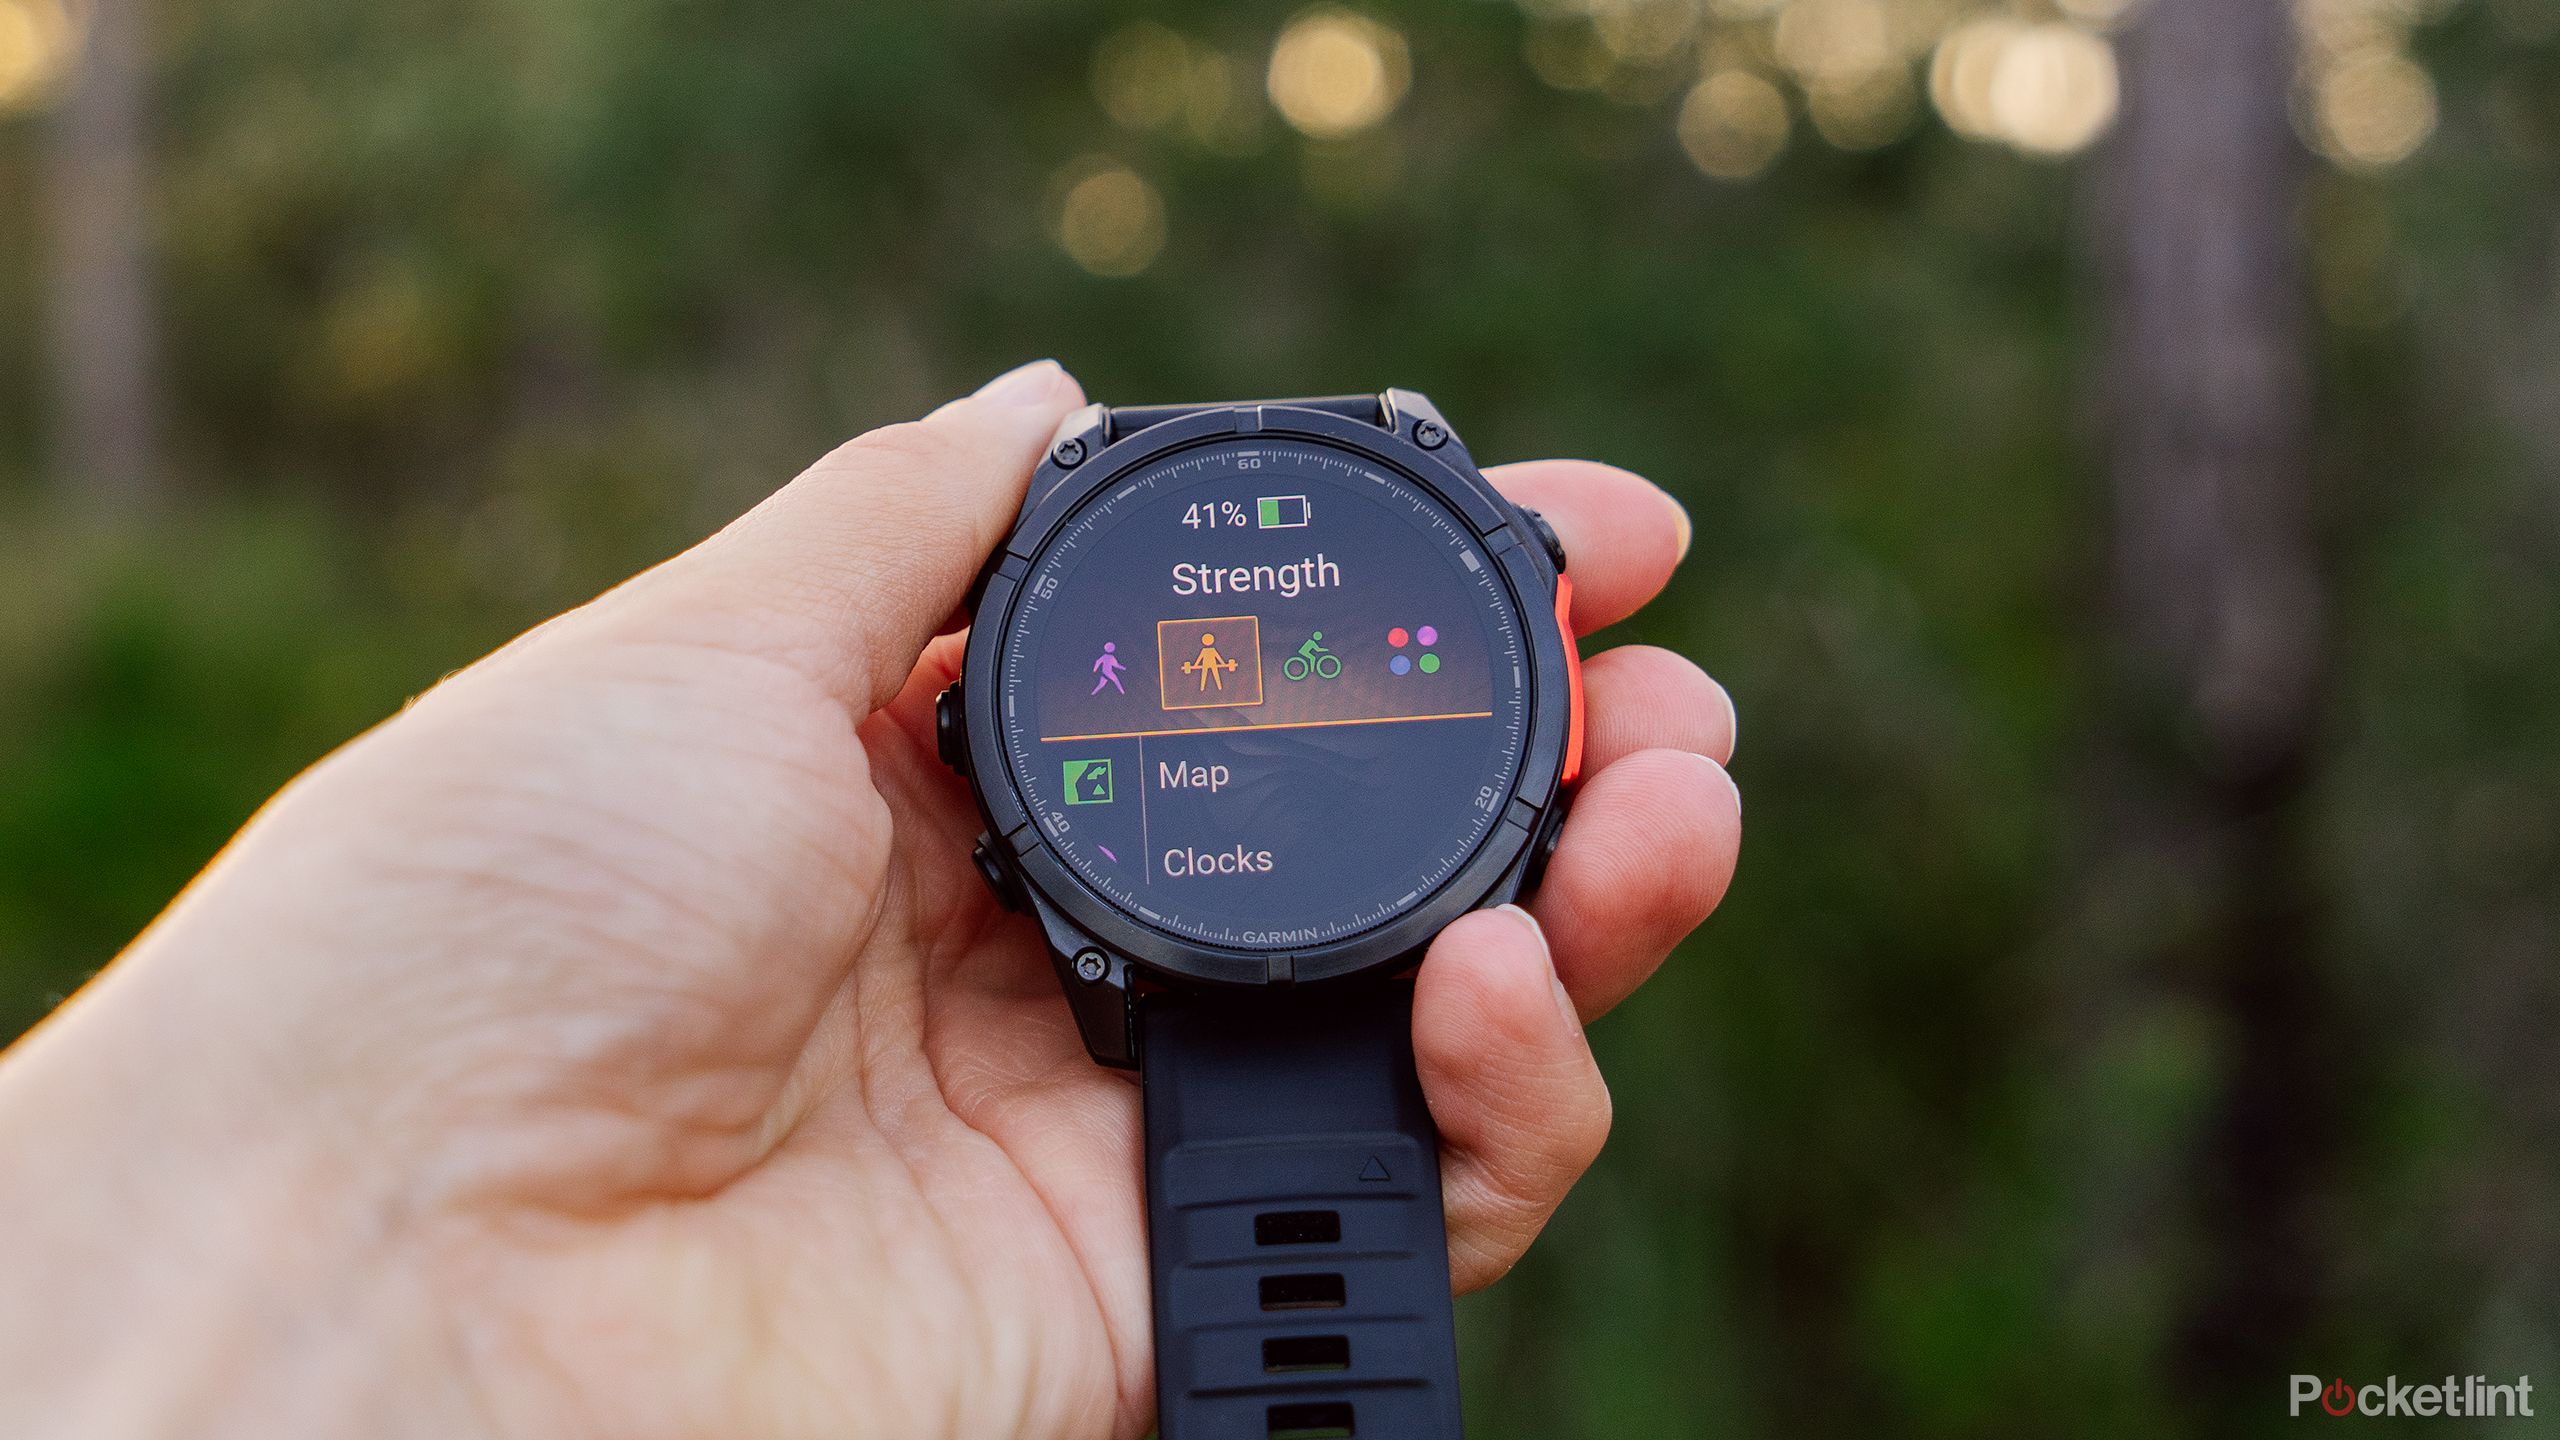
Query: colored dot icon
1400	664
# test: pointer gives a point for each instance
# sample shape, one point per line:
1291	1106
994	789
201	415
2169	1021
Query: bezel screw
1069	454
1430	434
1091	966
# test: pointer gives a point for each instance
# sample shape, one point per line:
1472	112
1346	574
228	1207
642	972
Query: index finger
848	570
1623	535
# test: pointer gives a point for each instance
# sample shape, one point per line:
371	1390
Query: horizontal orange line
1275	725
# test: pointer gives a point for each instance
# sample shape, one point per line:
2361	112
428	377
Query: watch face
1265	693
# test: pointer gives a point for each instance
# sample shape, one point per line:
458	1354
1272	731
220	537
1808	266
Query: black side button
1544	848
1547	537
948	735
998	875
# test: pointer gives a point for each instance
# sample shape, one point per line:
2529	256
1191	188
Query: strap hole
1291	1353
1302	1292
1297	1227
1318	1420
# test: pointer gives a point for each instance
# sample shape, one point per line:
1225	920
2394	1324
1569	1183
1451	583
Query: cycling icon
1312	659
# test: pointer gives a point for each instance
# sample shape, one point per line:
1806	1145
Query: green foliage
474	307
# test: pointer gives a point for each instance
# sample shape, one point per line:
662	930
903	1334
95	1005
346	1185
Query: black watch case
1104	956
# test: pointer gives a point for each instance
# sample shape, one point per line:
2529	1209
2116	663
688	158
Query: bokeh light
2332	27
1110	220
2372	108
2362	101
1141	75
1733	124
2054	89
1834	39
1568	57
37	41
2037	76
1960	75
1863	112
2045	89
1219	109
1336	73
1645	31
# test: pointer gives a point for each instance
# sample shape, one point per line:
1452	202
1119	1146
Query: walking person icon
1108	668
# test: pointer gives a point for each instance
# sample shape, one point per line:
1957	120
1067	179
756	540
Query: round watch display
1264	692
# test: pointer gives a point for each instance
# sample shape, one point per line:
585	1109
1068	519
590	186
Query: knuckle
908	449
1566	1144
1590	1132
906	472
1489	1229
1551	1154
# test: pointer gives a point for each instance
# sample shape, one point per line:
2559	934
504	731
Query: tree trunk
103	336
2217	619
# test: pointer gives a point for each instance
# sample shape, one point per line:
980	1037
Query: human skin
618	1043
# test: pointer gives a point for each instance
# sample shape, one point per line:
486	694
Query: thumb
848	570
1519	1101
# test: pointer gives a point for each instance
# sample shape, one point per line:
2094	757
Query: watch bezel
1528	579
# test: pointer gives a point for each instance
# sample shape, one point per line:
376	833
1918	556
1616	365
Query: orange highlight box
1209	663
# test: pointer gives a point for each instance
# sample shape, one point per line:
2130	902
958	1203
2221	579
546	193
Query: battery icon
1282	512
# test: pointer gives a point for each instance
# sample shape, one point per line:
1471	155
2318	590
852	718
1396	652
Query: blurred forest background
2125	447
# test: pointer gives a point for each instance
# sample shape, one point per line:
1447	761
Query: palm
935	1118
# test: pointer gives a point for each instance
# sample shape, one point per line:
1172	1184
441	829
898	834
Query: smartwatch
1258	697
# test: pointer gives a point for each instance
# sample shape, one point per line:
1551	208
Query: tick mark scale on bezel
1033	596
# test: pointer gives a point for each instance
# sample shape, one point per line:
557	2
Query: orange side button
1573	679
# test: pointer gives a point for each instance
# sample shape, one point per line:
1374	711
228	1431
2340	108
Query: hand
618	1043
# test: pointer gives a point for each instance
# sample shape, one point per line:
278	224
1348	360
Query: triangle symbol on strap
1375	1171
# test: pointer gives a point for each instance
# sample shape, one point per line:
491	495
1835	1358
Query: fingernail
1524	917
1024	384
1680	518
1727	776
1555	983
1732	724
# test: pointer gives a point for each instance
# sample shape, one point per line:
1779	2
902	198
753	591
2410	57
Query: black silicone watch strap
1126	420
1294	1225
